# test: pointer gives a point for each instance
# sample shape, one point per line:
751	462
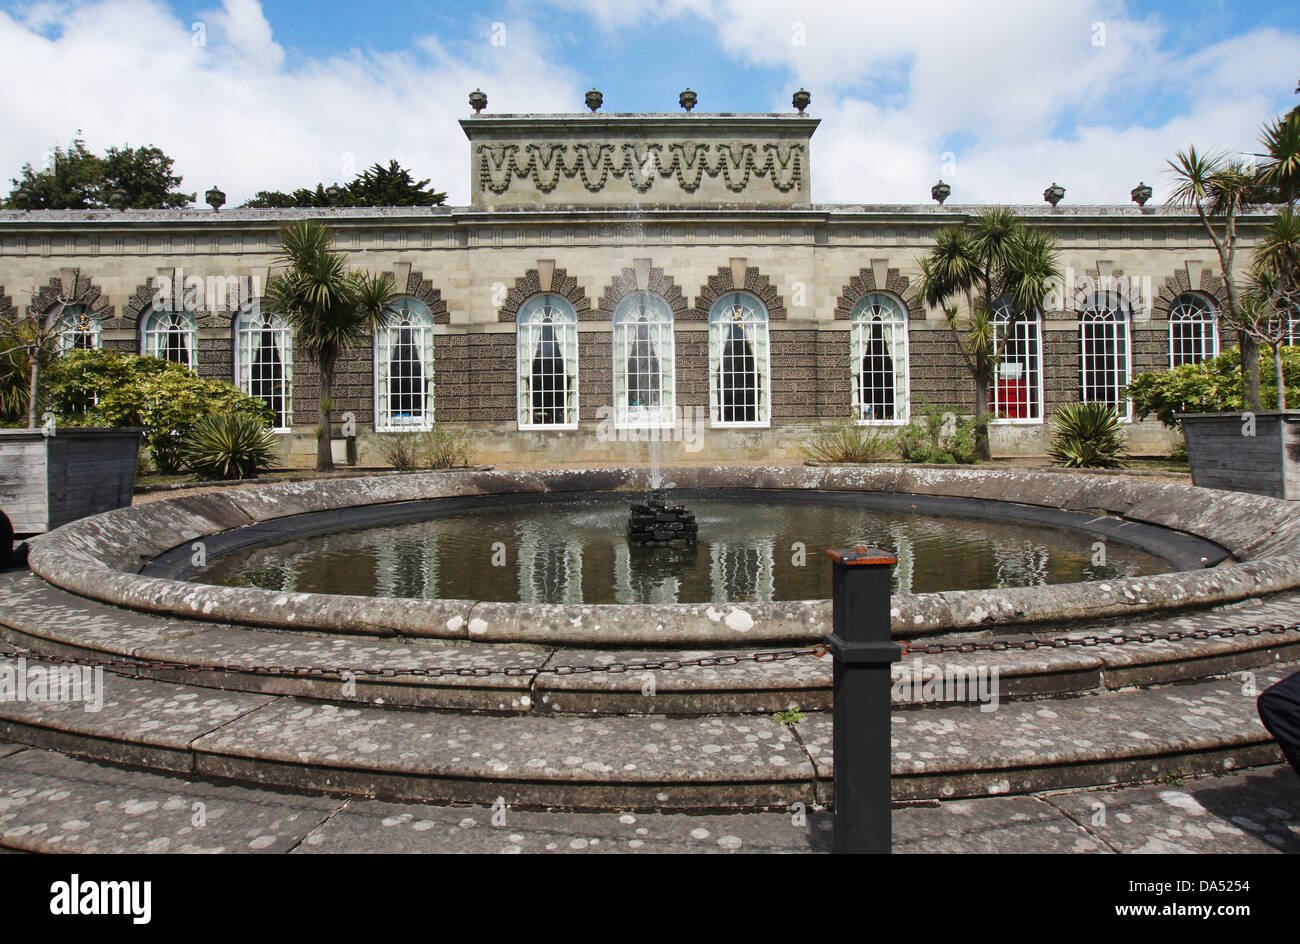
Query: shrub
1213	386
105	388
447	447
848	442
400	450
1088	435
942	437
228	446
443	447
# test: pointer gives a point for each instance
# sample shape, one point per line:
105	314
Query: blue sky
1000	97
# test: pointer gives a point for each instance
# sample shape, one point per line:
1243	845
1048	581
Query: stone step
50	802
51	621
643	762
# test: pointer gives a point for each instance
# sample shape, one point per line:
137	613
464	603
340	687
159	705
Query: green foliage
77	179
942	437
791	716
849	442
228	446
377	186
105	388
15	366
443	447
1213	386
1088	436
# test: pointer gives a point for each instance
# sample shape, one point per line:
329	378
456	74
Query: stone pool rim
100	557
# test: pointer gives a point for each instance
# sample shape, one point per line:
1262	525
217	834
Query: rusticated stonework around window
724	281
71	289
864	283
560	283
417	286
656	283
1209	284
229	297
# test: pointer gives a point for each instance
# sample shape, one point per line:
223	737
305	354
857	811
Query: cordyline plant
27	343
993	259
1272	298
329	307
1221	189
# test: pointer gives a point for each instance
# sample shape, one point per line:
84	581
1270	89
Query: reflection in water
576	552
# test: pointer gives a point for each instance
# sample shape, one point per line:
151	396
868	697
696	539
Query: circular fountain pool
753	548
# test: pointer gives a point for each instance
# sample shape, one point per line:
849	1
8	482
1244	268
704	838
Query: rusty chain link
130	665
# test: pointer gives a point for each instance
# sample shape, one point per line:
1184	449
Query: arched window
739	386
1017	390
170	335
643	361
546	351
78	329
1104	351
878	360
264	362
404	368
1292	336
1193	330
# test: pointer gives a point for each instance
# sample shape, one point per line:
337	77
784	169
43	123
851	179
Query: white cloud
233	113
1021	92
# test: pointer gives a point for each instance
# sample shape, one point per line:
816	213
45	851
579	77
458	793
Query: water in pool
757	549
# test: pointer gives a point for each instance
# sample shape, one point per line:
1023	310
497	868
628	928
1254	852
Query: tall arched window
170	335
264	362
78	329
740	391
1193	330
1017	390
546	351
404	368
878	360
1104	352
643	361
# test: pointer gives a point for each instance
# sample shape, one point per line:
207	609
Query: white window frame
1106	319
746	311
251	326
1200	315
153	334
890	313
644	318
1293	328
76	321
535	315
1029	332
413	316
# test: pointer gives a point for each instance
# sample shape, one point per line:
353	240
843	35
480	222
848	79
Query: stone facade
474	267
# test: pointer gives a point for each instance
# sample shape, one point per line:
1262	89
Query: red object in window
1012	401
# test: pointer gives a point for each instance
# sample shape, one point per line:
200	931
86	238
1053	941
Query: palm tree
1273	297
329	308
1280	169
1220	190
991	258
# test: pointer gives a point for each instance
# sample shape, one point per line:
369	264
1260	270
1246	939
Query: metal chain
652	665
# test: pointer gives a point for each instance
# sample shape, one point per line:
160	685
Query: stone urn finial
1054	194
595	100
1140	194
215	198
687	99
940	192
334	194
118	199
477	100
801	100
25	198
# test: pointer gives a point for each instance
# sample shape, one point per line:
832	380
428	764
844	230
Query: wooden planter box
1222	455
47	481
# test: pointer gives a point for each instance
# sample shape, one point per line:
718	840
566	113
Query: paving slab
53	803
1252	812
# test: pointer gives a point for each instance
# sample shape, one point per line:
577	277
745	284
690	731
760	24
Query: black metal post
863	650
